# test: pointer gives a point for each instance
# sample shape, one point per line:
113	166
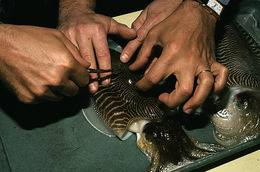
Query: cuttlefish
237	112
160	134
161	137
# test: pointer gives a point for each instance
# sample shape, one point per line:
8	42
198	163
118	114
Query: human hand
88	31
40	64
187	38
153	14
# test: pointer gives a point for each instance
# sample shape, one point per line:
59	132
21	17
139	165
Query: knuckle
40	91
186	90
151	78
103	55
56	81
152	35
174	47
80	28
67	62
225	71
140	36
135	25
208	80
98	29
28	99
85	55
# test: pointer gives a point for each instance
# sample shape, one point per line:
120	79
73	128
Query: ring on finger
207	70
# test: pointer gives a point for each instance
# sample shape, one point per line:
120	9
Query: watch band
223	2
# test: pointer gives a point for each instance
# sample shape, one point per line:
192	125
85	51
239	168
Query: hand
153	14
88	31
187	38
39	63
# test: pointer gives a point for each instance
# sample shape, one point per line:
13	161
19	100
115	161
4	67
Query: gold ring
207	70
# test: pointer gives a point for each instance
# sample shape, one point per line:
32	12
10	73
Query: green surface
70	144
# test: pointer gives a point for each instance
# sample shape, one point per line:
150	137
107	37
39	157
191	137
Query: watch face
215	6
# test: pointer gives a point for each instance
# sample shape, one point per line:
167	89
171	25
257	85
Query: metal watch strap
223	2
216	6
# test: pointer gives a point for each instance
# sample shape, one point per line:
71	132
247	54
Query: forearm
73	7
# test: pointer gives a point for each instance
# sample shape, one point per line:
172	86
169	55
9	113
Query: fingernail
92	88
124	58
106	81
188	111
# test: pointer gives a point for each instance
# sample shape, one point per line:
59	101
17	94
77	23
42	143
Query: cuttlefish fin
95	120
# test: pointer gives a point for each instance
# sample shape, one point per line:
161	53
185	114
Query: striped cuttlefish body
125	109
160	135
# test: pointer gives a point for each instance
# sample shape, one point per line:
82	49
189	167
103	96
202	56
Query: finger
139	20
87	52
152	77
183	90
150	66
27	95
103	56
84	42
133	45
69	89
221	74
50	94
79	74
205	83
75	52
71	36
122	30
129	50
143	55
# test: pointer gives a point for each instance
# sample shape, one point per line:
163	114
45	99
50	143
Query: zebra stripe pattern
120	104
240	53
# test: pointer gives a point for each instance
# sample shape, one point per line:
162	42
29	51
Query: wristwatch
217	6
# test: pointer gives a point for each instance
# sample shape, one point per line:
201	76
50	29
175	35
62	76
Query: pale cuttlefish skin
237	111
239	121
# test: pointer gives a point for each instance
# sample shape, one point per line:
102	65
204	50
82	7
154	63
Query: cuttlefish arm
169	148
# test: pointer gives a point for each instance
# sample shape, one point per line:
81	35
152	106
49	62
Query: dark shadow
45	12
30	116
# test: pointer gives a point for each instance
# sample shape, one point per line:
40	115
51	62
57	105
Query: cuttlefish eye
243	101
151	131
159	132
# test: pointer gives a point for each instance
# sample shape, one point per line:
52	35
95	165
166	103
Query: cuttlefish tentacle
169	147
